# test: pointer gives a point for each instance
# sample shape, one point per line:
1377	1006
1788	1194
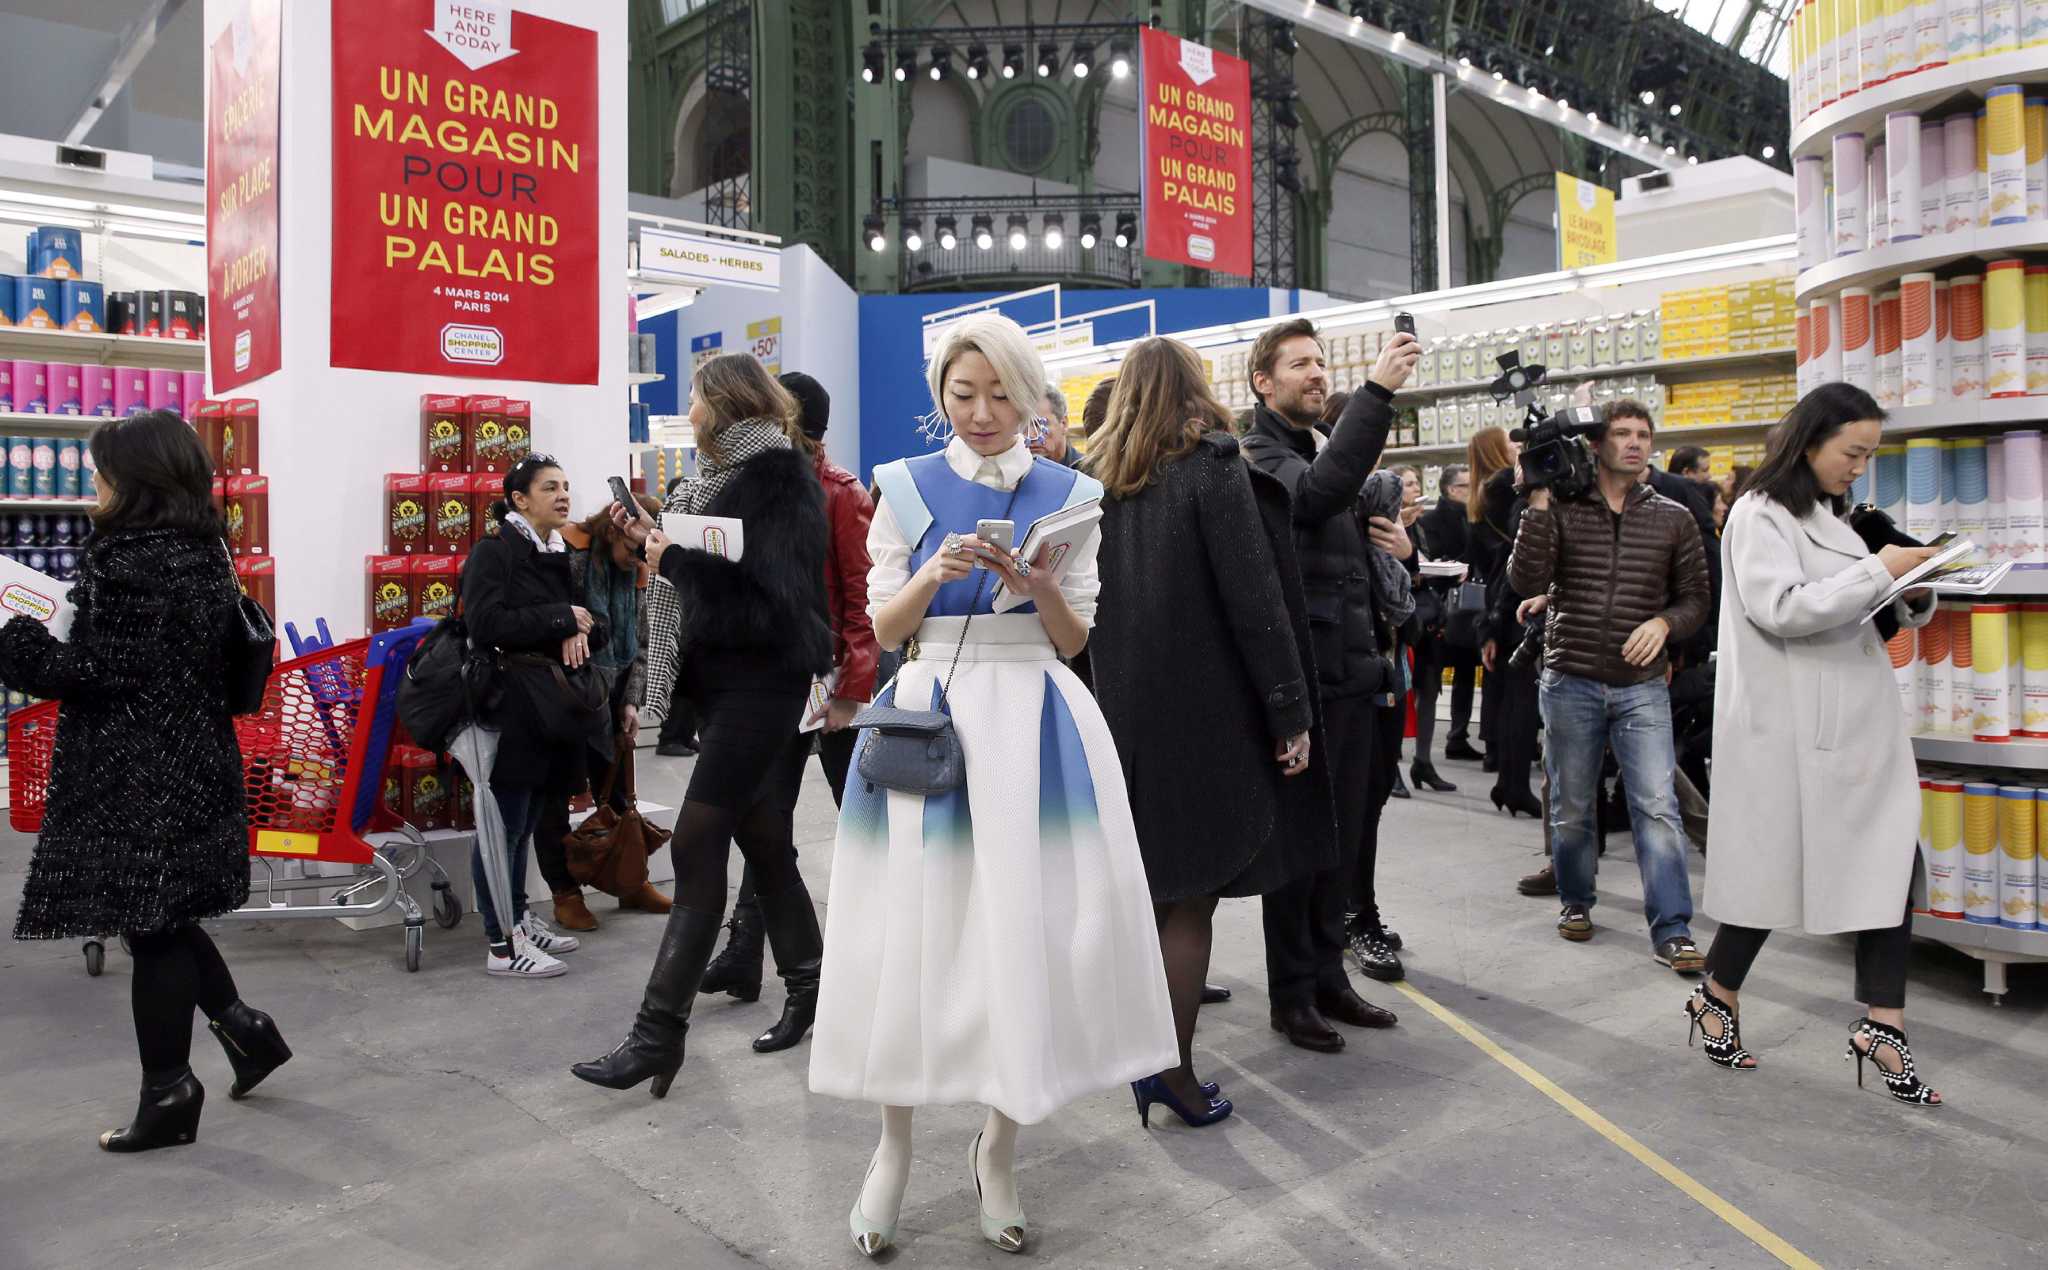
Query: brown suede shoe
572	914
647	900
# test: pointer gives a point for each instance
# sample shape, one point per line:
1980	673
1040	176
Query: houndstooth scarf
740	442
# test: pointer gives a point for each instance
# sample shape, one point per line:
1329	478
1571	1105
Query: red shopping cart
313	761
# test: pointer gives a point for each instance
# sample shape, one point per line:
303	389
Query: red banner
241	198
465	191
1196	152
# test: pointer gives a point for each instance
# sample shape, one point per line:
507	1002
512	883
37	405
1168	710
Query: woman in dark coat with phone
1203	672
144	831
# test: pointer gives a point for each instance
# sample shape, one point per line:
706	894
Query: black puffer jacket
772	602
1329	536
145	827
1608	573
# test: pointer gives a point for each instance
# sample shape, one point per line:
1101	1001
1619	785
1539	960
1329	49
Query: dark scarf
613	596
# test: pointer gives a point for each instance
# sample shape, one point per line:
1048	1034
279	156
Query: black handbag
248	650
917	751
1465	622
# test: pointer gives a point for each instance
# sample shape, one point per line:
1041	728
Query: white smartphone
1000	534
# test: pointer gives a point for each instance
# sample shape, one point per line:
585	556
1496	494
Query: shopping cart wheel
95	957
447	908
415	944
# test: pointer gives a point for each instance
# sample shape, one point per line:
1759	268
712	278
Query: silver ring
1023	568
952	543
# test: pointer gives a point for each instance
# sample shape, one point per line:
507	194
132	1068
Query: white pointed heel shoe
873	1238
1005	1233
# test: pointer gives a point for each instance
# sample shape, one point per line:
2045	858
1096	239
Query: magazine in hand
28	593
1445	569
720	535
818	702
1946	574
1062	534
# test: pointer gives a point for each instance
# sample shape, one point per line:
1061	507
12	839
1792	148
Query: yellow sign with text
1585	223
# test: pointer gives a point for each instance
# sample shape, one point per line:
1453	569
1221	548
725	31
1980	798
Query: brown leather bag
609	850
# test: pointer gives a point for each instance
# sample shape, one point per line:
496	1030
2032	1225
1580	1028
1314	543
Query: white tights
995	1163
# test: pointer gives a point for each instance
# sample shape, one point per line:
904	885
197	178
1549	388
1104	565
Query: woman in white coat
1816	799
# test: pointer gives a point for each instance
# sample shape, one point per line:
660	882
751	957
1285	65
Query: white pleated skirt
996	944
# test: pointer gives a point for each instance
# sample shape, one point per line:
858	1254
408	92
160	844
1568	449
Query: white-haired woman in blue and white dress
994	944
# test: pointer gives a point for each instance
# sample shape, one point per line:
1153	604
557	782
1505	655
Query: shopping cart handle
302	646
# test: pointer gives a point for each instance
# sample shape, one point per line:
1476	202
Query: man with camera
1623	574
1305	921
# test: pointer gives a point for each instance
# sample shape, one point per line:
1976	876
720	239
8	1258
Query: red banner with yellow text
241	198
465	191
1196	153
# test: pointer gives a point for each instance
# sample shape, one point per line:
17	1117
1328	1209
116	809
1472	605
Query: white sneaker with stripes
524	962
545	937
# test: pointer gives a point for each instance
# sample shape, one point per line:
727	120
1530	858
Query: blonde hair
736	387
1008	350
1486	453
1158	411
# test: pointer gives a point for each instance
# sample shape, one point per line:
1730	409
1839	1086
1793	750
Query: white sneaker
545	937
525	961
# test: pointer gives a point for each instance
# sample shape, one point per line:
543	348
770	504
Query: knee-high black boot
654	1048
792	927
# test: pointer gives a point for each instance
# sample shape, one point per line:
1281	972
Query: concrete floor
429	1119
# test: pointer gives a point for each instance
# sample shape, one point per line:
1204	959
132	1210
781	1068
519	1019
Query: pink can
131	391
31	388
166	391
194	388
64	388
96	391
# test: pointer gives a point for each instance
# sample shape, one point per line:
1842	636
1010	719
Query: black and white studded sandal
1726	1049
1903	1084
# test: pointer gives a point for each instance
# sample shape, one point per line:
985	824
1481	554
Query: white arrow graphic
477	32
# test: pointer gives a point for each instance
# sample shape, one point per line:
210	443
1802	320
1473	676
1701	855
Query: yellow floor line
1607	1129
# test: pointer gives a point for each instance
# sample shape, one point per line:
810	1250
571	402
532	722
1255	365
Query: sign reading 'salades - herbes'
1196	152
465	191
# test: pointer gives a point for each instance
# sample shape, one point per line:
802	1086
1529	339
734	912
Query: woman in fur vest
741	639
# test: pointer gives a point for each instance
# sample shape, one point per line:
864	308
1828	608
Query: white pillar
1440	114
329	435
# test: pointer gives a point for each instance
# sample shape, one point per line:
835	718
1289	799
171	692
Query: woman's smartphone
624	498
999	534
1943	539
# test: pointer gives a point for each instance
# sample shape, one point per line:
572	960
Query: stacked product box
1746	317
432	517
52	293
1713	403
231	432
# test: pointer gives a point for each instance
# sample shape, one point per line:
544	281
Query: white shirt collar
1001	472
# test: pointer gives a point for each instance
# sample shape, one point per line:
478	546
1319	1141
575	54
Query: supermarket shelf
2028	944
1665	437
1773	357
2025	579
46	504
103	350
2023	755
27	425
1865	111
1883	265
635	379
1949	416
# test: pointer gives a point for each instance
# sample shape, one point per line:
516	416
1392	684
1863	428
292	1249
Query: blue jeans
1581	718
520	809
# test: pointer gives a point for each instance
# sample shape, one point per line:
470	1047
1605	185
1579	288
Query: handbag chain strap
961	647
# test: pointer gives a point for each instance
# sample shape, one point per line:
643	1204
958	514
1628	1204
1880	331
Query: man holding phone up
1304	921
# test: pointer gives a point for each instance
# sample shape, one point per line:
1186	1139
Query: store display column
451	187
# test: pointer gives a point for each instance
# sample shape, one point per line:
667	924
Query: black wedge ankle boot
253	1046
736	971
654	1048
792	927
167	1116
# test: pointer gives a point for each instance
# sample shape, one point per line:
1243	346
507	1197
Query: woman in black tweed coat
144	832
1203	670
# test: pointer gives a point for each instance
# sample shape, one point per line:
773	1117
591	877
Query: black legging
1880	960
1388	722
835	756
1515	720
175	970
1432	656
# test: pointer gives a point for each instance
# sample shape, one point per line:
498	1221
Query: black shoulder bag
248	649
917	751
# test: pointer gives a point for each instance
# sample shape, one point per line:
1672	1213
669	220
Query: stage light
1770	152
872	63
1013	60
1048	60
984	232
1091	231
906	64
1055	231
1126	229
942	63
913	234
949	236
1119	58
1020	231
977	61
1084	60
1676	110
876	230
